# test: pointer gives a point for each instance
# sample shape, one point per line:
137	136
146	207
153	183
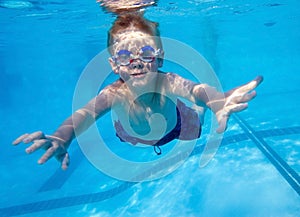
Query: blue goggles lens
146	54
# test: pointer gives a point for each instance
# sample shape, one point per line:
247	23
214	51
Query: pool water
44	47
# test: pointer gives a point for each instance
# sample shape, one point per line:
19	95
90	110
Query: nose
136	64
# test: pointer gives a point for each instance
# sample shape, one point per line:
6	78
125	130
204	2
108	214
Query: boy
142	96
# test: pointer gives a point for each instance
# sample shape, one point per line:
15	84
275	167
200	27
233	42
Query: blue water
44	47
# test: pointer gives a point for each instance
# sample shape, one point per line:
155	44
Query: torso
148	117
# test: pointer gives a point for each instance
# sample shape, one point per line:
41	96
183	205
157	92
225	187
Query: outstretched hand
54	146
235	101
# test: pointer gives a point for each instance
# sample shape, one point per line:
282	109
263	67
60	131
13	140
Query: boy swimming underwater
140	93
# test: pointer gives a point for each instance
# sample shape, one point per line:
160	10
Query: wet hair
133	22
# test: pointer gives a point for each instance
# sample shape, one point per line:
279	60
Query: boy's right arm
58	143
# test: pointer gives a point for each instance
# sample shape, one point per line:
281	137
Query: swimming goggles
146	54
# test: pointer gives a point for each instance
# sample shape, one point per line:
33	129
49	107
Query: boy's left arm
222	104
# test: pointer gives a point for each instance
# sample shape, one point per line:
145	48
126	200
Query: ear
113	65
161	59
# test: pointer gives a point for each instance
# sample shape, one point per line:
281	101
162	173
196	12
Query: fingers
41	143
59	152
241	99
223	116
52	147
48	154
236	108
248	97
246	93
240	95
236	101
243	89
222	124
27	138
65	161
34	136
20	139
251	85
259	79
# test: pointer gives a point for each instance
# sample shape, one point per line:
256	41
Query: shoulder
177	85
174	80
170	76
114	92
167	77
112	88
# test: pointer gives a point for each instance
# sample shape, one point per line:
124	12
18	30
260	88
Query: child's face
136	58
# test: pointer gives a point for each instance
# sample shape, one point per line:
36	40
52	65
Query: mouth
140	74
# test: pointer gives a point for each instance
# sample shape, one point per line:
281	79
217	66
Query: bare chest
154	119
